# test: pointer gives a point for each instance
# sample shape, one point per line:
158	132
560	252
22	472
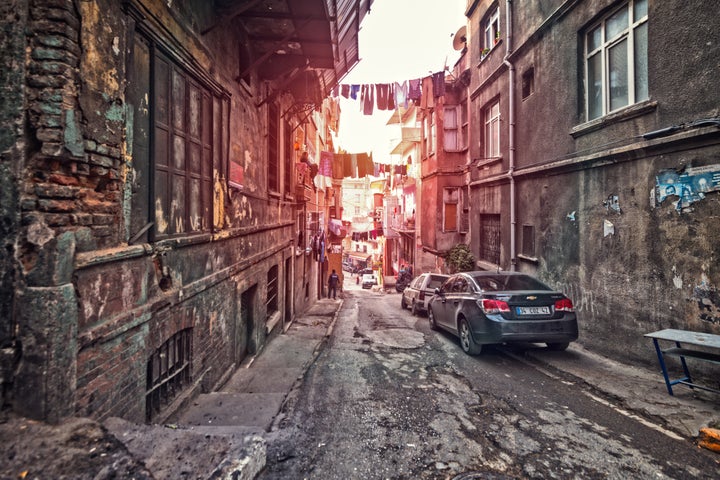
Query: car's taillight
564	305
494	306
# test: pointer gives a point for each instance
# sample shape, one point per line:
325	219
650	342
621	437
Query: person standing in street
333	281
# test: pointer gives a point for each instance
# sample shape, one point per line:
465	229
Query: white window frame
491	137
491	28
429	132
599	46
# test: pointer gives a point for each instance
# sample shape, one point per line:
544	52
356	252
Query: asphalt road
388	398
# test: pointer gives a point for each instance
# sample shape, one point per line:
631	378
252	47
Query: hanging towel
391	96
345	90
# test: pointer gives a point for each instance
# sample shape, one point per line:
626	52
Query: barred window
168	373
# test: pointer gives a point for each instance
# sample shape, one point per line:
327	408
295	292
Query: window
616	70
492	29
429	133
178	138
490	238
288	157
455	126
528	240
168	373
451	201
271	305
492	130
528	82
273	149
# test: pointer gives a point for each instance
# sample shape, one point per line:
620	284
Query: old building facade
595	159
157	216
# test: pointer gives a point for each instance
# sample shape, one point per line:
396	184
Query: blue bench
684	342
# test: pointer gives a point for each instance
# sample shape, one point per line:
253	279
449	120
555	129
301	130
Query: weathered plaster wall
13	21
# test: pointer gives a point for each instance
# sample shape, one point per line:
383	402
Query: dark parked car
417	295
483	308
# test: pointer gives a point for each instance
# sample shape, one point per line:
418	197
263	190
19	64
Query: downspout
511	131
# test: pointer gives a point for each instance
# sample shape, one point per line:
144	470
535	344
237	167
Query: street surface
388	398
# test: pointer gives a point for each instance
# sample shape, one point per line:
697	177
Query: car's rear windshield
491	283
435	282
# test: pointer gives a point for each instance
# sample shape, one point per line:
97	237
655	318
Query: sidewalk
222	433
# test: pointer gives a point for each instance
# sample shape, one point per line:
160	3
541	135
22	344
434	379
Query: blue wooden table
686	343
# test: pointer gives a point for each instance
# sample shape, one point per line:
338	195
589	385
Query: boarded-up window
451	204
272	291
528	240
490	238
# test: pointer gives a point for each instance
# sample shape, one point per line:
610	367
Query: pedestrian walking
333	281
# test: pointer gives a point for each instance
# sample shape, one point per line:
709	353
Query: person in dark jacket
333	281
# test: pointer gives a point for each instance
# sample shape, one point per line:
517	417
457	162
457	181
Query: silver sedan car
483	308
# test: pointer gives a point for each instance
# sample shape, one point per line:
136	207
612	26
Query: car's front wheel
466	341
557	346
431	318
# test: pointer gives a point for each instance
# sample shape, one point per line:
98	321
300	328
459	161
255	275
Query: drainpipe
511	130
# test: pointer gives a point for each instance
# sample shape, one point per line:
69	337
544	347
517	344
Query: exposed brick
43	81
99	171
52	149
103	231
59	15
61	179
103	219
102	161
46	205
28	204
55	191
54	28
57	220
83	219
50	95
51	68
57	41
53	54
49	135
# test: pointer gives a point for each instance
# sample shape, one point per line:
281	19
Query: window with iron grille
168	373
616	60
490	238
273	137
271	305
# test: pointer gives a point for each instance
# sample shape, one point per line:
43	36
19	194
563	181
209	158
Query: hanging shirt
438	80
414	90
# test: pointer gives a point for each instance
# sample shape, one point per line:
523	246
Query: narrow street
389	398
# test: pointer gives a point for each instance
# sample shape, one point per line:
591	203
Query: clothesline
389	96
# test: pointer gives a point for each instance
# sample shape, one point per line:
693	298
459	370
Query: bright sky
399	40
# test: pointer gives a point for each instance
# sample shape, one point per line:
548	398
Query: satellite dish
460	39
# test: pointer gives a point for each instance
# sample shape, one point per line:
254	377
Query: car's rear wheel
557	346
431	318
466	341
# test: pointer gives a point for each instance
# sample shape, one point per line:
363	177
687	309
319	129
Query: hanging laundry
438	80
369	101
381	91
427	100
401	94
354	89
323	179
414	91
391	97
345	90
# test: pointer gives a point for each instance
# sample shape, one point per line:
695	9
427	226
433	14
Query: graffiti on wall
688	186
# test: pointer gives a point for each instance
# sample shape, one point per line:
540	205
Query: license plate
532	310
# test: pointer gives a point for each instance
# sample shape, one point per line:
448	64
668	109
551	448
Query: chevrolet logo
531	297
